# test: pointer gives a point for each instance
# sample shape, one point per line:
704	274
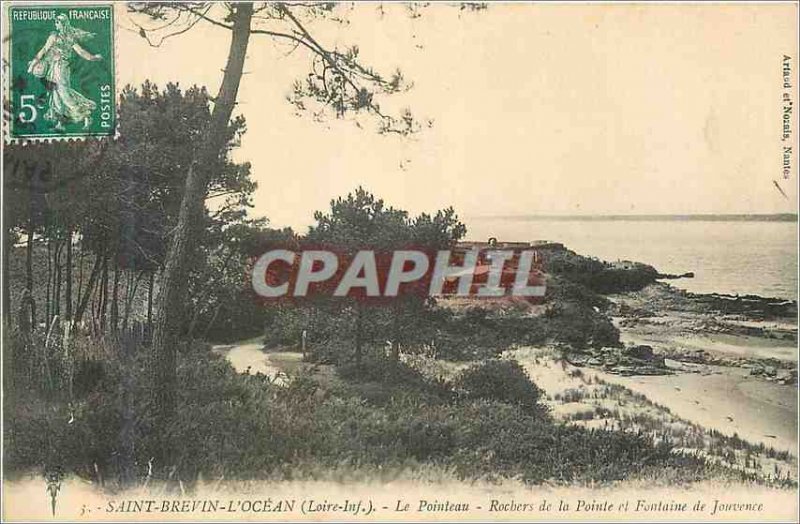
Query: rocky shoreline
658	298
661	326
627	361
728	325
623	318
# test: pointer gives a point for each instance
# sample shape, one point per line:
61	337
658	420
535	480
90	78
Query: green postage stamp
61	83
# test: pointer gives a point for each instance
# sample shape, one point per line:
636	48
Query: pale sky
537	109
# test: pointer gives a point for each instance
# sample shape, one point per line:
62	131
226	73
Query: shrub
561	289
499	439
429	434
501	380
597	275
376	367
245	427
478	333
380	379
579	326
46	429
225	424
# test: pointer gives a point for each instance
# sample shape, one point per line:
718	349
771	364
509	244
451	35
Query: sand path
249	355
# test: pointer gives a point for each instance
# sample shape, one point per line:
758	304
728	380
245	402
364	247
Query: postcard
399	262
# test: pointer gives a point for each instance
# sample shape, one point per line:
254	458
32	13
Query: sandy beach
723	398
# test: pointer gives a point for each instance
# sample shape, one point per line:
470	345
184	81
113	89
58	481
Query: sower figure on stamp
52	63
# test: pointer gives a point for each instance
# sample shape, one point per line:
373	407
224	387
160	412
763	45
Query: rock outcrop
774	374
630	360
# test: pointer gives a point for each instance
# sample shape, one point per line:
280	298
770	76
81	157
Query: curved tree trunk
171	297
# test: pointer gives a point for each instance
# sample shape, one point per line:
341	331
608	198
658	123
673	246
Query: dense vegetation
96	230
88	226
89	410
488	424
95	219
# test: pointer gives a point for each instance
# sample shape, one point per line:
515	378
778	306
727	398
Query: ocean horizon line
694	217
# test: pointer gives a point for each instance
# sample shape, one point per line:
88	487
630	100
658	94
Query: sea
738	256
